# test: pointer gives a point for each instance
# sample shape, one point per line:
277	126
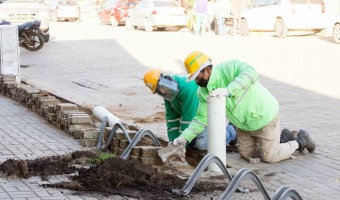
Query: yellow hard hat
195	62
151	78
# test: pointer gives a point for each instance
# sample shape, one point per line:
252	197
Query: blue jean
221	26
200	23
201	141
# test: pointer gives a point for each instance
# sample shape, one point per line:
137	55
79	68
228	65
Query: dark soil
114	176
43	167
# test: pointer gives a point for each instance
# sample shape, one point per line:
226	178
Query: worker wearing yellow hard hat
181	103
161	84
249	106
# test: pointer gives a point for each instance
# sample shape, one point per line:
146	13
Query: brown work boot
286	136
305	142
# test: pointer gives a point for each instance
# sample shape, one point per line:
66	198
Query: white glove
180	141
219	92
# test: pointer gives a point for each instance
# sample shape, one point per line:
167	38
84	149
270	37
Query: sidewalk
107	70
26	135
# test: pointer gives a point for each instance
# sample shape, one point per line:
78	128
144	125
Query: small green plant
101	158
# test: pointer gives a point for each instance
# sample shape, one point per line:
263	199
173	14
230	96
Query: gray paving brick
33	198
10	188
24	188
12	182
4	195
22	194
42	193
5	152
89	198
55	193
74	197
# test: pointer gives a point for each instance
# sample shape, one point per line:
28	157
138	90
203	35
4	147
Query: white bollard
99	112
9	52
217	130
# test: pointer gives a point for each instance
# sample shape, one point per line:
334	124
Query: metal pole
217	130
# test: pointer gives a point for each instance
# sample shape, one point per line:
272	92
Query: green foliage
101	158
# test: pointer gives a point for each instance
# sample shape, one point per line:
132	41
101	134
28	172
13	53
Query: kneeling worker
181	102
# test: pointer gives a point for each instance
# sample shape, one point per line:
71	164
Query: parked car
96	4
336	30
282	16
114	12
67	10
21	11
158	14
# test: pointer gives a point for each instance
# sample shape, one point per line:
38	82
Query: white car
282	16
67	10
21	11
336	30
158	14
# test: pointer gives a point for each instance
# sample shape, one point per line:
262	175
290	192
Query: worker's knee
269	158
230	134
201	145
201	142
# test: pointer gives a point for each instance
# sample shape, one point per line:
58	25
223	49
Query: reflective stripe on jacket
180	111
250	106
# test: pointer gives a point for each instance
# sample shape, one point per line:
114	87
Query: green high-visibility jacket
182	109
249	107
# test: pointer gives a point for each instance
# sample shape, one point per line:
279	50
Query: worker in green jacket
181	103
249	106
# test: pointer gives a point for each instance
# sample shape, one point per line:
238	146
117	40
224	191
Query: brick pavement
106	69
26	135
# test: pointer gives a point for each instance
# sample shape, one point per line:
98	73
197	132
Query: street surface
92	64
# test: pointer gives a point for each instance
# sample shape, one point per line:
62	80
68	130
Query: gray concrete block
66	106
90	133
149	151
88	142
80	120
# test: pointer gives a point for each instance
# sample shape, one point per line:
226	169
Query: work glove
219	92
180	141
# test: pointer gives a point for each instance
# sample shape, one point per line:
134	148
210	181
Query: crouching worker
249	106
181	103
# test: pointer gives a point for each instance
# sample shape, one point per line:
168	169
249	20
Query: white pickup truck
21	11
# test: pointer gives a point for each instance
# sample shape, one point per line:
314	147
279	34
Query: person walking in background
181	103
223	9
211	16
200	9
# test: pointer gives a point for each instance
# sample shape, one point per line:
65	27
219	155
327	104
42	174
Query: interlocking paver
107	68
30	139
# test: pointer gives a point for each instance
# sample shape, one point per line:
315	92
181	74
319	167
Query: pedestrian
223	9
211	16
200	9
181	103
249	106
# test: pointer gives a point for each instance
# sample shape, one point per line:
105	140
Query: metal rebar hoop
207	160
141	133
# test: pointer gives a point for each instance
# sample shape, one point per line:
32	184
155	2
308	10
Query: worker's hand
219	92
180	141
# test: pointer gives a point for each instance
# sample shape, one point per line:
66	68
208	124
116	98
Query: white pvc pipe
99	112
217	130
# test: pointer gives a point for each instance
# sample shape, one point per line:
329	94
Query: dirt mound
42	167
115	176
124	177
